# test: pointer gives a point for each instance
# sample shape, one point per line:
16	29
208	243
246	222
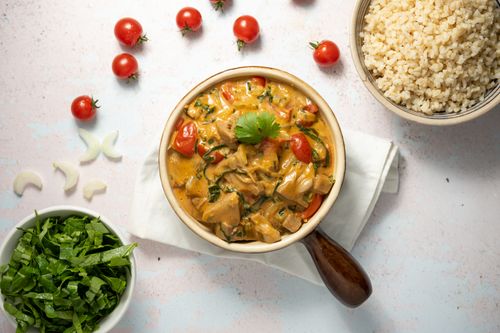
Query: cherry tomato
301	147
246	29
313	206
259	80
218	4
226	89
217	156
178	123
185	139
129	32
311	107
326	53
125	66
188	19
84	108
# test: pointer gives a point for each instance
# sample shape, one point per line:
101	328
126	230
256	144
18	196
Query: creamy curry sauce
247	192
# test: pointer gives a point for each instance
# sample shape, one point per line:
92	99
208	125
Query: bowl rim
339	153
117	314
356	55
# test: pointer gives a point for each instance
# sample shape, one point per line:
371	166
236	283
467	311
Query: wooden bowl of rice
435	63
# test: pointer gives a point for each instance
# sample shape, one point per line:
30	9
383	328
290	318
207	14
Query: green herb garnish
213	193
65	275
266	94
253	127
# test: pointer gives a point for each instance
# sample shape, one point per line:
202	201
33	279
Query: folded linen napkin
372	167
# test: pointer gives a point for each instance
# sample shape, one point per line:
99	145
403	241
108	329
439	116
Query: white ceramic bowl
491	100
338	157
13	236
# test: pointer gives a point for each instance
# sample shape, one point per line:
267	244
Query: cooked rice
433	55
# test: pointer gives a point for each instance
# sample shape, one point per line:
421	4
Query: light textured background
432	251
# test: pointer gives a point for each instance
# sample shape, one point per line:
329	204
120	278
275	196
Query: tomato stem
94	103
186	29
219	5
241	44
314	45
142	39
133	77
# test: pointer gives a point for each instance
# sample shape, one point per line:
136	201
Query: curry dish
251	159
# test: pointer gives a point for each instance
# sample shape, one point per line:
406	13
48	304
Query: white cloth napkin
372	167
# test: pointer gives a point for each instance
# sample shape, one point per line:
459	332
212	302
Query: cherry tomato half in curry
326	53
259	80
84	108
313	206
246	29
185	140
217	156
301	147
125	66
128	31
188	19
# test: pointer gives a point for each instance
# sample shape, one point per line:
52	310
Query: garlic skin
71	173
25	178
92	187
108	148
93	146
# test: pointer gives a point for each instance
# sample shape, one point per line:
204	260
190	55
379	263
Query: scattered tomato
84	108
128	31
259	80
226	89
125	66
188	19
218	4
246	29
185	139
326	53
313	206
301	147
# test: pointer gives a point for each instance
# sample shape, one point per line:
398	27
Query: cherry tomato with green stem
84	107
125	66
188	19
326	53
246	29
128	31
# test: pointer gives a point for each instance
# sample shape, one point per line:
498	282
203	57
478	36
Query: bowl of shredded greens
65	269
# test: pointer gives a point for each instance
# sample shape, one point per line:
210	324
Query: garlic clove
71	173
93	146
25	178
108	147
92	187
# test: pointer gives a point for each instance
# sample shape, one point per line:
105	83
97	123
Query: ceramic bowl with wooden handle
341	273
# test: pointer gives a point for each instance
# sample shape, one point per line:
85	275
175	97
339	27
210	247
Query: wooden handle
342	274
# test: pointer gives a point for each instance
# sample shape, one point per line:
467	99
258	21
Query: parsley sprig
253	127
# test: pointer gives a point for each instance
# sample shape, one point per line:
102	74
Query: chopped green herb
214	193
65	275
253	127
249	86
266	94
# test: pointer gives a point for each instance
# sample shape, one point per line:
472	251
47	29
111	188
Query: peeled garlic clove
92	187
108	147
25	178
93	146
70	172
